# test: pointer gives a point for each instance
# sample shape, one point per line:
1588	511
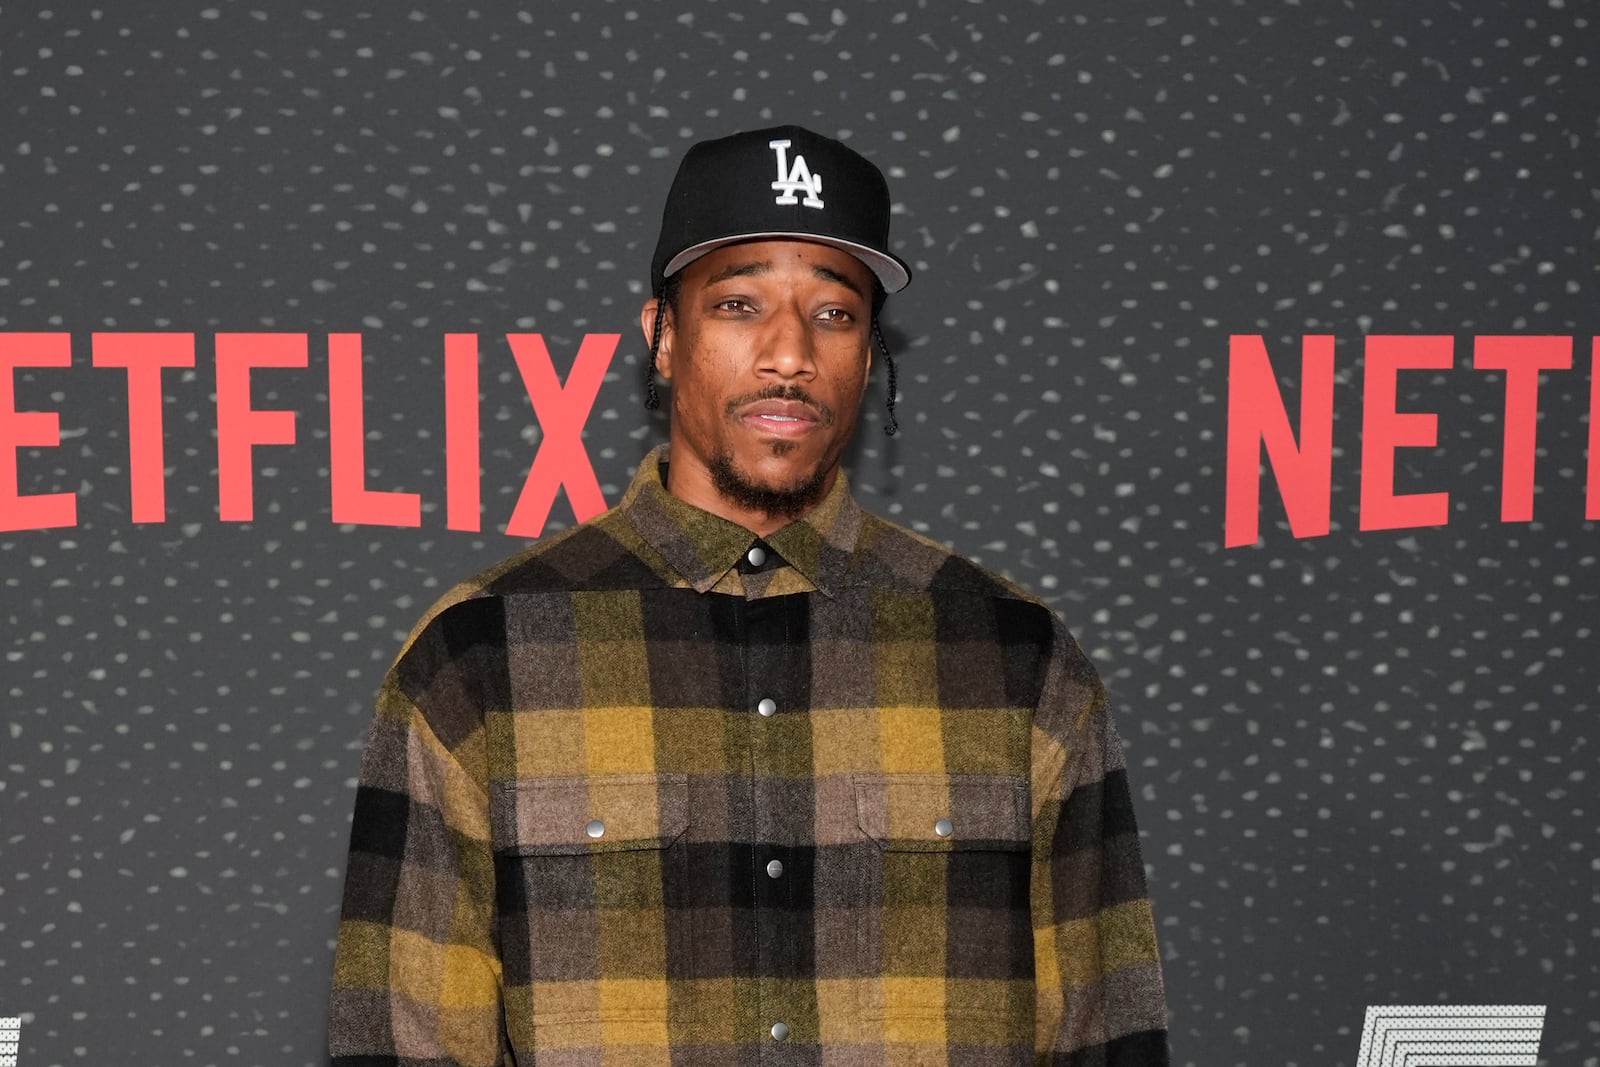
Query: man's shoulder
896	555
602	553
894	558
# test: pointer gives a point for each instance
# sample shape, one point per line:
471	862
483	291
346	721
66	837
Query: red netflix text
1302	463
561	461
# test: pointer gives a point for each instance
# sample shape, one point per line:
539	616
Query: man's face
768	354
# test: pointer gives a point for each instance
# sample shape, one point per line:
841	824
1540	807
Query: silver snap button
757	555
774	868
595	828
944	828
768	707
780	1030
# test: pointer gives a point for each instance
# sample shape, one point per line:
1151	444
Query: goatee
775	502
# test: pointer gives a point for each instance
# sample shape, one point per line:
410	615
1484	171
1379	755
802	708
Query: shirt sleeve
1097	967
417	978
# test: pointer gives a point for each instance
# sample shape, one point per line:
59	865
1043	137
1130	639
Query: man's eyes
832	316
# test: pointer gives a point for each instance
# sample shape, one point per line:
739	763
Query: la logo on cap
796	179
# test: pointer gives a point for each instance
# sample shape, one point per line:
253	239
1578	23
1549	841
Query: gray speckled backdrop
1364	761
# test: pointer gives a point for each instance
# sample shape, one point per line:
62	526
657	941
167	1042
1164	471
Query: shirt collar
702	547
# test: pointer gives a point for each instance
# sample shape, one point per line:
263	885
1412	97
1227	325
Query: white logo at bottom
1449	1035
10	1038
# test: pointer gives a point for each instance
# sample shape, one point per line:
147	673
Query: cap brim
891	273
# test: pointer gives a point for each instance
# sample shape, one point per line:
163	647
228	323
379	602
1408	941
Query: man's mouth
781	416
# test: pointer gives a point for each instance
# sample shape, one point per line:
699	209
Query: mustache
780	392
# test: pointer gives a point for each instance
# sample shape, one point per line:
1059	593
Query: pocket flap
580	814
943	812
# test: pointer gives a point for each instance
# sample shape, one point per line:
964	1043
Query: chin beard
785	502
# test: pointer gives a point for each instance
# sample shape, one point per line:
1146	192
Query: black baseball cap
781	182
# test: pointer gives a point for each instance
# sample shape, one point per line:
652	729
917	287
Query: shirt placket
782	935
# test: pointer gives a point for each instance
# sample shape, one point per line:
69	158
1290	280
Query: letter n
1257	417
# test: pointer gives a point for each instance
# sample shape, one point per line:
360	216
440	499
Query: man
736	772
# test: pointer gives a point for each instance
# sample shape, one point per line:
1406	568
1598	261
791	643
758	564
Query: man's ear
647	325
871	350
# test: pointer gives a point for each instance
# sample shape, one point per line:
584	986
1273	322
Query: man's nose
787	348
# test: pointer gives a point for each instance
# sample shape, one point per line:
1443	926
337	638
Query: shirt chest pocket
582	815
943	812
950	933
584	869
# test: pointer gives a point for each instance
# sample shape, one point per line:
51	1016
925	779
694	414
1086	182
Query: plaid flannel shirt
637	795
